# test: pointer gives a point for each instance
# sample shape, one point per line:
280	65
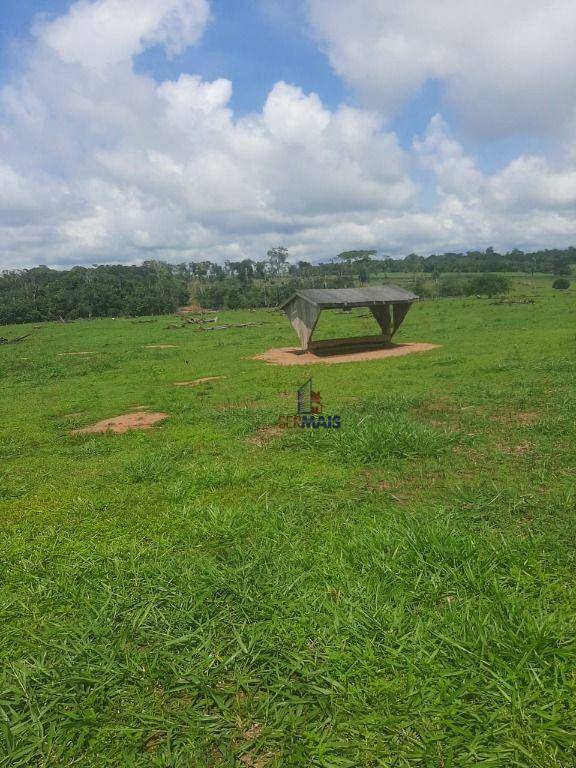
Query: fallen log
231	325
200	320
500	302
17	340
192	321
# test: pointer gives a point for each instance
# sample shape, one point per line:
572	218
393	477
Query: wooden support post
303	316
381	313
399	313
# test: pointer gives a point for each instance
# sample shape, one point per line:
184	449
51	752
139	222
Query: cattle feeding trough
389	305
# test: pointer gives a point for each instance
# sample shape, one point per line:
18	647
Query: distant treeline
33	295
555	261
266	283
38	294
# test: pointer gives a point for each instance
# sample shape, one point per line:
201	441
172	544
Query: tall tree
351	257
277	258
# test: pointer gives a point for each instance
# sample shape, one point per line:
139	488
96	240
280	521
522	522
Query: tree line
154	287
267	283
38	294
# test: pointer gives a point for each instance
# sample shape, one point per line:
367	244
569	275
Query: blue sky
255	47
434	127
251	42
256	43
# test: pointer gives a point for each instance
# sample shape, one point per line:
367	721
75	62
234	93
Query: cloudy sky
193	129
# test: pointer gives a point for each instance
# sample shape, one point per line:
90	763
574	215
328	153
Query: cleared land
214	591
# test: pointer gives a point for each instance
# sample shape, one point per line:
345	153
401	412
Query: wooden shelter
388	303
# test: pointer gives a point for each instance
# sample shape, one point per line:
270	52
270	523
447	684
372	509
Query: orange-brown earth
295	356
121	424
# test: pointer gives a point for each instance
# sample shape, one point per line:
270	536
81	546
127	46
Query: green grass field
211	593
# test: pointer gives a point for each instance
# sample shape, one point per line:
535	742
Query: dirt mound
196	382
295	356
160	346
120	424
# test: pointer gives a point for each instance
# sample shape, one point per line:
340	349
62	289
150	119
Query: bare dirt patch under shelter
296	356
121	424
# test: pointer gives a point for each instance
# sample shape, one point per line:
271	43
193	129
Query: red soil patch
196	382
160	346
294	356
121	424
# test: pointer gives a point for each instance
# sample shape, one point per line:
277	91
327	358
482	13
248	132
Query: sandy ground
295	356
123	423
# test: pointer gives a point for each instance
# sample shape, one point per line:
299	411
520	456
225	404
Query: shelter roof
332	298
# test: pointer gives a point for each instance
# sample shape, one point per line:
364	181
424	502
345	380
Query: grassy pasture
211	593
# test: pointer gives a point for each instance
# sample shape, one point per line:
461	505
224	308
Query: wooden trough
389	304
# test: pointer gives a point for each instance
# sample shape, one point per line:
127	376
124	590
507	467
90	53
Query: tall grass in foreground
373	432
211	594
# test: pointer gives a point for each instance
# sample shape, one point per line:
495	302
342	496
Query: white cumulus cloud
130	167
100	163
504	64
102	33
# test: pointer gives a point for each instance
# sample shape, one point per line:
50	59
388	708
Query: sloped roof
331	298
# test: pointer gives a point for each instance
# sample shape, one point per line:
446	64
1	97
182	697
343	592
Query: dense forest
33	295
38	294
